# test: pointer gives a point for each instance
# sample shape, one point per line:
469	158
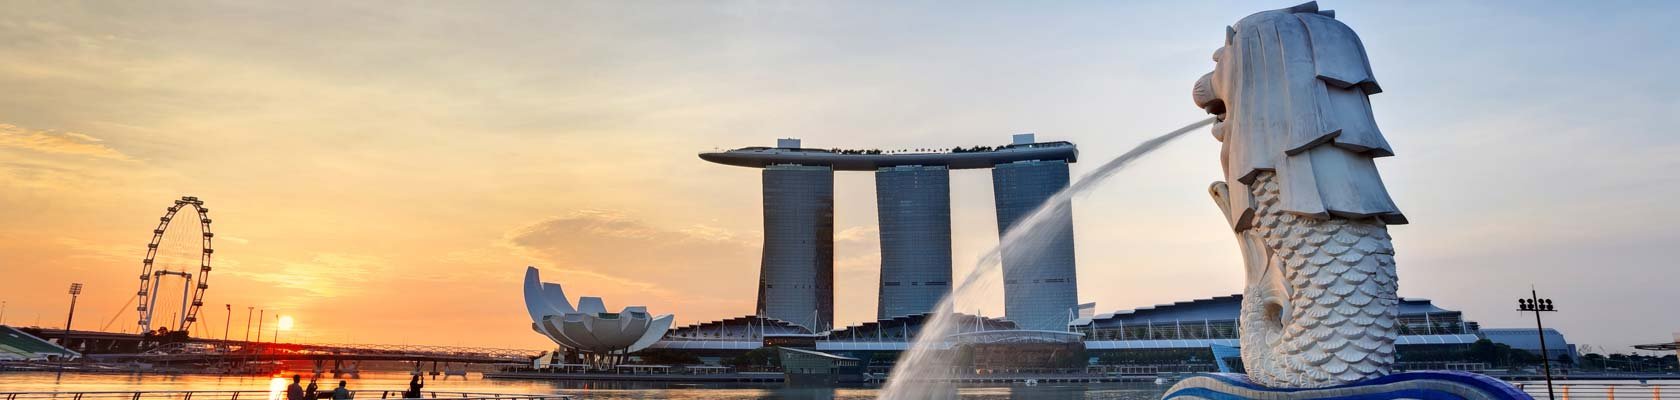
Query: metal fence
213	350
1629	391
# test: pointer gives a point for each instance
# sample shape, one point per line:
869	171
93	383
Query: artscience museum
588	333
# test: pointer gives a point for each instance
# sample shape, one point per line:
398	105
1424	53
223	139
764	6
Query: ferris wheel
180	253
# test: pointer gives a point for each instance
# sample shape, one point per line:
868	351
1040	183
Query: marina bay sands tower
913	201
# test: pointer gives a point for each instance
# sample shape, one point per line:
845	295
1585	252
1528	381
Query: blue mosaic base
1427	385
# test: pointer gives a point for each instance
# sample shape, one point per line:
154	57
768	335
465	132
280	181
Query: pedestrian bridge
218	350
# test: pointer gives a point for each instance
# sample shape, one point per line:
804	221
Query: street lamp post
75	291
227	323
1538	305
259	323
276	328
248	310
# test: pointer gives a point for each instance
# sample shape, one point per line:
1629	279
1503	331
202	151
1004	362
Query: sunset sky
383	172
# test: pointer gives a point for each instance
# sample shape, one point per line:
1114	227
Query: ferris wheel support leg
151	305
182	324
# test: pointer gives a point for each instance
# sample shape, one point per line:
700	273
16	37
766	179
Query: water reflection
276	388
398	381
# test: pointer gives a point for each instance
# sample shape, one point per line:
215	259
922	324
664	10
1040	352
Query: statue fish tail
1325	311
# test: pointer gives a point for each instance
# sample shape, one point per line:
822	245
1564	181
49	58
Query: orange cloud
324	276
57	142
697	271
590	235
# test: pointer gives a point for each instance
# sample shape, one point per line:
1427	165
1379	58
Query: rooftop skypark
970	149
788	151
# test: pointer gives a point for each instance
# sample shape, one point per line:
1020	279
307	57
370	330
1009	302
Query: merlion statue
1304	198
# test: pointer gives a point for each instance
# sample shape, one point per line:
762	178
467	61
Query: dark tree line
1629	362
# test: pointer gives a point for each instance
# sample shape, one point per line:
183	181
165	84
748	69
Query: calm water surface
397	381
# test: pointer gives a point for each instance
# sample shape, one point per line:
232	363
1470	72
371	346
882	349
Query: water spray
920	372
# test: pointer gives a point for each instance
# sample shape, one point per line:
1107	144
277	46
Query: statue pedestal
1425	385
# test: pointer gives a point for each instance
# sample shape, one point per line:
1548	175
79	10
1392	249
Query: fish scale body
1334	296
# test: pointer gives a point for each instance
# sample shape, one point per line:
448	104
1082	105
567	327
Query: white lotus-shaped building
602	337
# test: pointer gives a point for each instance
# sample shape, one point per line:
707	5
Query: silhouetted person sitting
341	393
414	386
309	392
295	391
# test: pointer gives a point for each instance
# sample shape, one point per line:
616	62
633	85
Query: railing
228	348
1630	391
263	395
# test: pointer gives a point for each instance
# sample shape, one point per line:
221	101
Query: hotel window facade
1040	288
796	276
914	208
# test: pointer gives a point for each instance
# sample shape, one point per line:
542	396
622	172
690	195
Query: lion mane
1291	88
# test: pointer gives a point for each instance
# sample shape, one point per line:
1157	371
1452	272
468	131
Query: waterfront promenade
262	394
388	385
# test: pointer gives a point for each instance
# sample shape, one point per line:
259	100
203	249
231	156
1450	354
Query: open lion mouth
1206	98
1215	107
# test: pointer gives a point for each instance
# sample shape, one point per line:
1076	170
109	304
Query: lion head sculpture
1290	88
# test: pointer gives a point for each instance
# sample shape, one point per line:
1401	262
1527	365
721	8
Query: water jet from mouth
925	371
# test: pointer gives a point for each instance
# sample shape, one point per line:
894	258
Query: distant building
1198	323
1187	336
714	341
796	277
1040	283
914	208
587	332
751	332
808	367
17	345
1673	346
1526	340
